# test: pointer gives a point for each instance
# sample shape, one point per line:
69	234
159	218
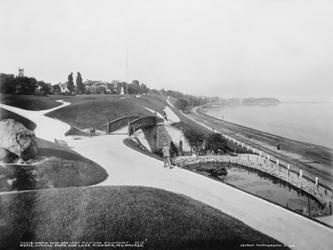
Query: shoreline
206	106
314	160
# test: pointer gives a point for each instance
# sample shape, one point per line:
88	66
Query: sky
225	48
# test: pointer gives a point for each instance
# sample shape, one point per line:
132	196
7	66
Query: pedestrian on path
181	147
166	155
165	115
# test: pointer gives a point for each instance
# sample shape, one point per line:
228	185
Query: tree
143	89
216	142
70	83
181	104
79	84
195	139
100	89
7	85
22	85
43	88
56	89
132	89
25	85
136	84
135	88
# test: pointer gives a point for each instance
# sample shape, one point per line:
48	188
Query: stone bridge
133	122
118	123
143	122
152	127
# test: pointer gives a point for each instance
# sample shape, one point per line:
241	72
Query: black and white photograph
166	124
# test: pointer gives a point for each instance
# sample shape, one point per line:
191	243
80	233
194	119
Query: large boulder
17	139
7	156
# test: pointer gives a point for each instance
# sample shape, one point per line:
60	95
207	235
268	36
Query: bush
195	138
216	142
173	150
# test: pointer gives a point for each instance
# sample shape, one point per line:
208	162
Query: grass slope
163	220
55	166
30	102
95	110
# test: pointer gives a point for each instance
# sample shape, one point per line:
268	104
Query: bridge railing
118	123
142	122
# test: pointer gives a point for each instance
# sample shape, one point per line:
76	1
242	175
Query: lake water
271	189
308	122
265	186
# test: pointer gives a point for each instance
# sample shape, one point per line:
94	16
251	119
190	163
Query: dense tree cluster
216	142
182	104
136	88
9	84
195	139
200	143
185	101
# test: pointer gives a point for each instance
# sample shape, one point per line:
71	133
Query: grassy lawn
95	110
88	110
163	220
30	102
56	166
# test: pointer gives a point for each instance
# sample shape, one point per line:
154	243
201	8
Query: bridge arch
143	122
118	123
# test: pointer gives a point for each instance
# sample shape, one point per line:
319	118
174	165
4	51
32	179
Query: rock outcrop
7	156
16	138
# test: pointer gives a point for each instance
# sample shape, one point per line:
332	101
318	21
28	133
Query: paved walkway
128	167
47	128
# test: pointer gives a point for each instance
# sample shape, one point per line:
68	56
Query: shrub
173	150
195	138
216	142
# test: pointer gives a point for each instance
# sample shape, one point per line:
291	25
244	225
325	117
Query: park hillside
58	177
50	174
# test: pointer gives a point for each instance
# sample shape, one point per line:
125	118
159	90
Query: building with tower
21	72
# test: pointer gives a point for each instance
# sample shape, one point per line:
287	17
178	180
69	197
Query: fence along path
256	162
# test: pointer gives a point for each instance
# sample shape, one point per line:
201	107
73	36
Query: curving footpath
47	128
128	167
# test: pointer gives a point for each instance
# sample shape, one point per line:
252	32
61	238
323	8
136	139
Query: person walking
181	147
165	115
166	155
